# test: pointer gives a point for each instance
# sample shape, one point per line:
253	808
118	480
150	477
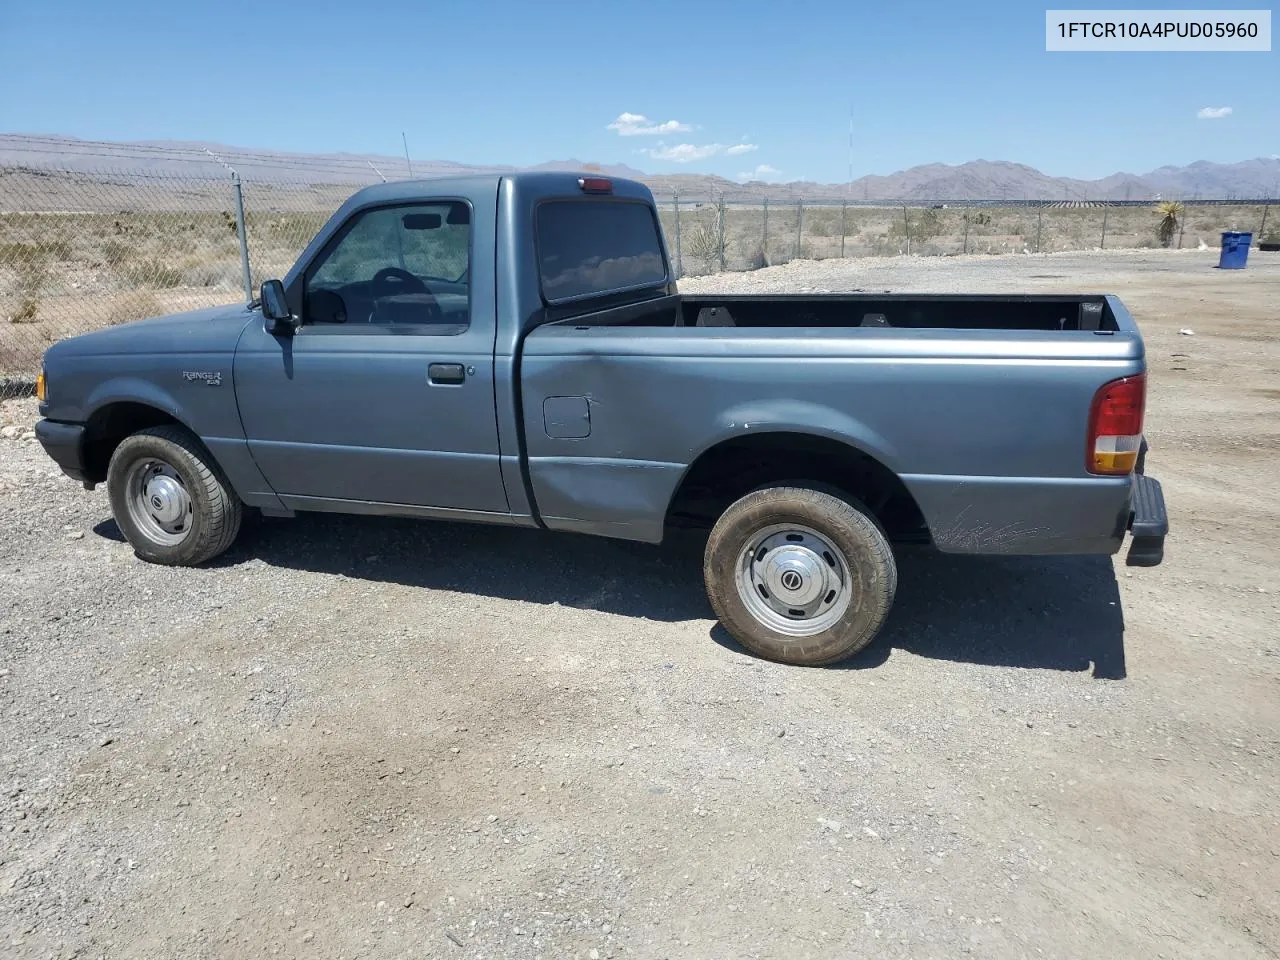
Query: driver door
385	393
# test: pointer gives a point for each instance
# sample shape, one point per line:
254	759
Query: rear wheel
169	498
799	575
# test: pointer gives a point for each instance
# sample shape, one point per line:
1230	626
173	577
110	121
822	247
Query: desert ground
373	738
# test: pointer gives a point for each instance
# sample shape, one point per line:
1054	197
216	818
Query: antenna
848	190
376	170
407	162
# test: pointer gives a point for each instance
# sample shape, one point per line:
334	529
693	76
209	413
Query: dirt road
372	738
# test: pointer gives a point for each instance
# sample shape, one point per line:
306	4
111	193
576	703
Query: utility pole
849	186
407	162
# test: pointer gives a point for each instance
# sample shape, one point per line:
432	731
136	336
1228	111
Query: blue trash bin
1235	250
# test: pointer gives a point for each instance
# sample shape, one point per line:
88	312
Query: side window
408	264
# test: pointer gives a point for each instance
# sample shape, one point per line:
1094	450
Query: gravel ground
374	738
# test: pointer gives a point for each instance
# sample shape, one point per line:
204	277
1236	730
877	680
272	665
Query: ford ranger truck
512	349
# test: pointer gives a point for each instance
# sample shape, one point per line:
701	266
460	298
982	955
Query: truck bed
979	404
902	311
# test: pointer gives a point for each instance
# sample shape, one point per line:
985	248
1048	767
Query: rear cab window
587	248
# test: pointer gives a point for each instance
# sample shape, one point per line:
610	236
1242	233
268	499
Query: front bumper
1148	522
64	443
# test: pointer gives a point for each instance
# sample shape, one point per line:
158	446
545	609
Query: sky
665	86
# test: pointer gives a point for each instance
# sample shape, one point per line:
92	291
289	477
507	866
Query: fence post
244	241
1103	244
966	233
765	250
1182	222
799	227
906	228
1262	227
844	204
1039	227
720	243
675	203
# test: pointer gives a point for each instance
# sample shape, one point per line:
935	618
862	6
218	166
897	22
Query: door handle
446	373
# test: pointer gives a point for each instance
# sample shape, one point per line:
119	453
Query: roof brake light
595	185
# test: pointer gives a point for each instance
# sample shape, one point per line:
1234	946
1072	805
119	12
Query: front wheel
799	575
169	498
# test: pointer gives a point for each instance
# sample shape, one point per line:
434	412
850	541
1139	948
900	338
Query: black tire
869	569
215	510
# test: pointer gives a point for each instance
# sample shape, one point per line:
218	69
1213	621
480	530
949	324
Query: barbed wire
359	168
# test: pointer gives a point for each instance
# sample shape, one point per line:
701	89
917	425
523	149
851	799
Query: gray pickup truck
512	349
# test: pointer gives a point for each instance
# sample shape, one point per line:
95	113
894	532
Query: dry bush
703	243
116	252
211	274
150	272
753	257
132	305
30	275
25	310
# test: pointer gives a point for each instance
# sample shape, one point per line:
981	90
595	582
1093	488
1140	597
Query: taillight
1115	426
595	184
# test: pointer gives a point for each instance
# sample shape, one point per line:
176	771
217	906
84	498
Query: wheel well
734	468
109	425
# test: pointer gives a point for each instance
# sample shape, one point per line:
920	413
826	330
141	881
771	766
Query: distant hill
975	180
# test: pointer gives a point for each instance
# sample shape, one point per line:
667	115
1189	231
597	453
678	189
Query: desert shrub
116	252
133	305
703	243
150	273
923	225
53	249
707	240
753	255
211	274
1171	213
24	310
30	274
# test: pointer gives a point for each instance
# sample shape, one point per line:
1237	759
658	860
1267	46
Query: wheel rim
794	580
158	502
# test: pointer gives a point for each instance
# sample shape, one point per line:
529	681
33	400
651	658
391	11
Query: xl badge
212	377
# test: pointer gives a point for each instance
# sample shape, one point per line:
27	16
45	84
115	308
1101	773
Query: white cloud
638	125
762	172
685	152
740	148
1213	113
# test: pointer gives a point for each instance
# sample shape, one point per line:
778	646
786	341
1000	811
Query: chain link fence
81	250
713	235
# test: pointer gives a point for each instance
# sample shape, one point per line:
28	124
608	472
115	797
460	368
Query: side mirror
275	311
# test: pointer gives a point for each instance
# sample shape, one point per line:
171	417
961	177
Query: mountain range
975	180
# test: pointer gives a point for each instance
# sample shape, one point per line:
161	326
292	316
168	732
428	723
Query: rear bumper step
1148	522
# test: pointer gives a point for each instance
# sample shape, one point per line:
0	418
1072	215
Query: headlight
40	387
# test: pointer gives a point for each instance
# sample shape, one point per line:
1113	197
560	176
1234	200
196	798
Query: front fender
135	390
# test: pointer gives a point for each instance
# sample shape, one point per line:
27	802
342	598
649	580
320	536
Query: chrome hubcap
158	502
794	580
165	498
